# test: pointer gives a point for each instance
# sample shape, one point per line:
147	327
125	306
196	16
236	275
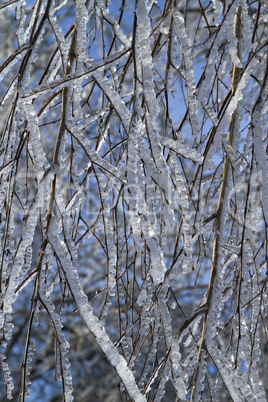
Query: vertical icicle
134	184
144	52
62	343
61	41
40	161
186	217
215	299
81	32
258	127
6	376
175	354
232	34
92	321
105	195
239	390
188	60
218	7
26	241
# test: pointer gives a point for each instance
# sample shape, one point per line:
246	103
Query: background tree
134	200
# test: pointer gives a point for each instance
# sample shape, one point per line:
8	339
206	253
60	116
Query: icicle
94	157
77	113
62	344
135	181
239	390
109	232
258	127
10	4
81	24
250	352
188	60
41	163
199	387
31	350
177	376
217	5
237	97
114	98
210	113
205	87
59	83
163	379
152	353
92	322
26	240
213	57
186	215
21	17
66	221
144	300
159	177
219	297
158	267
254	221
60	5
6	376
118	31
49	87
142	212
146	57
246	28
61	41
87	120
5	70
182	150
35	17
9	92
231	36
